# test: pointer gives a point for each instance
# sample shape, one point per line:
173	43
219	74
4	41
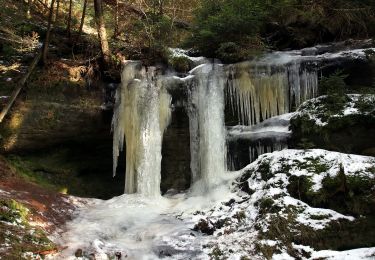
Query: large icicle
207	132
141	114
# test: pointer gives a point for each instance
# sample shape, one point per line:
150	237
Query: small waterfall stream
207	132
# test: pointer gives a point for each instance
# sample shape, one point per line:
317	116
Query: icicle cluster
258	150
142	113
260	91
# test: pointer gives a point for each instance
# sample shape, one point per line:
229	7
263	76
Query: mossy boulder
320	123
315	198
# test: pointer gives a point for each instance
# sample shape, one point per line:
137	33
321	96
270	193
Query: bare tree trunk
57	11
80	26
68	28
161	10
116	32
29	5
48	35
102	33
82	21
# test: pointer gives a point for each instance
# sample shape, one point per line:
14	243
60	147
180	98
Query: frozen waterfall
254	91
143	111
141	115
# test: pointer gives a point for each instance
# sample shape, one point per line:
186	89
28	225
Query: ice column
207	131
141	115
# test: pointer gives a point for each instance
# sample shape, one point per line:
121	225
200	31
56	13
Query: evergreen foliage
333	85
229	29
223	28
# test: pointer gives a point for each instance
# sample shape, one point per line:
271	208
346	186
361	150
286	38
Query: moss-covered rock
18	239
311	200
348	129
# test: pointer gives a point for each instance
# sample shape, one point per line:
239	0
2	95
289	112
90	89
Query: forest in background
230	30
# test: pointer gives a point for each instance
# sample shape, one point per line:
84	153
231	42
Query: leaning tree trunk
102	33
68	28
82	21
48	34
19	87
116	31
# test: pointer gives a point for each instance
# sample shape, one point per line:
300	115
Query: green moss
265	170
312	165
300	187
338	131
180	63
265	204
350	195
22	240
240	216
27	170
365	104
217	254
281	228
20	235
266	250
13	211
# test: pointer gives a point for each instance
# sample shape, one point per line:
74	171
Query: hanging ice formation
257	150
207	131
141	115
260	90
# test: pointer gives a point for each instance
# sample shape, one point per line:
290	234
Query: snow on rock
283	217
316	109
246	143
178	53
277	125
255	214
355	254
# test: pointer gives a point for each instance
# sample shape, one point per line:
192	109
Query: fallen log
20	85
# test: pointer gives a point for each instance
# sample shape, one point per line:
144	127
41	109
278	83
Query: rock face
175	163
63	136
346	130
36	125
